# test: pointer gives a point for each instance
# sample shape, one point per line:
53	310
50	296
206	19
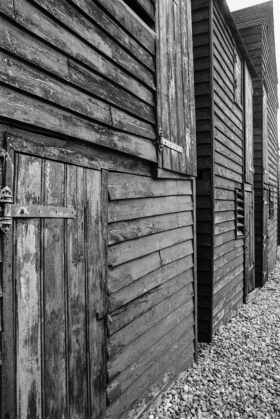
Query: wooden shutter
175	87
238	79
249	243
265	138
249	170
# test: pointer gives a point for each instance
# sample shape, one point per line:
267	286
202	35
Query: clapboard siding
201	21
229	168
150	283
220	158
256	25
78	86
79	73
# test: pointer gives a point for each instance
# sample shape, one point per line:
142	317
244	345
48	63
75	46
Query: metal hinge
163	142
6	198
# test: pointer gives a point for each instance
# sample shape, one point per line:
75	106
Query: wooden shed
97	196
223	97
256	26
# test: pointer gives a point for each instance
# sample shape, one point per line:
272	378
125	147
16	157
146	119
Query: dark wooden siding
228	166
201	21
270	78
151	289
256	27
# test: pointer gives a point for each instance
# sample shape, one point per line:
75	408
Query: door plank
28	319
28	287
95	295
54	305
78	407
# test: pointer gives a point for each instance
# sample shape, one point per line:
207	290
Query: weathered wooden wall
52	52
256	27
229	170
78	77
221	141
202	50
150	282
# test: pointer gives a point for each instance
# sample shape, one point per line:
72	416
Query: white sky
241	4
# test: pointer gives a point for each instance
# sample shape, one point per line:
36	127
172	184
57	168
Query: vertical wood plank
78	406
95	294
54	255
249	177
249	244
265	137
9	399
28	288
179	85
172	88
28	319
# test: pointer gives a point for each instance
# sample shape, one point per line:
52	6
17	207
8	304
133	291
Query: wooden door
265	234
249	244
175	87
53	287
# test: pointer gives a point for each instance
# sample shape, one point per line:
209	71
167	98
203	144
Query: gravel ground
238	375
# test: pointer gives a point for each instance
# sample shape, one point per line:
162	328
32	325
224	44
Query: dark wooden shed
98	195
256	26
223	96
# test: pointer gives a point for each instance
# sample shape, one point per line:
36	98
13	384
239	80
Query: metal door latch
6	198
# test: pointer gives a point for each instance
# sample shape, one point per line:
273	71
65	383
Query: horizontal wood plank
97	38
140	345
21	43
137	307
132	229
109	25
22	108
132	249
120	340
131	22
128	187
150	281
140	208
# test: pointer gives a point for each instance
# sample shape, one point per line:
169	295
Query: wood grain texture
132	229
54	292
126	210
126	251
68	150
96	286
131	22
15	73
76	290
149	281
50	31
97	38
21	108
110	26
126	187
7	7
21	43
28	274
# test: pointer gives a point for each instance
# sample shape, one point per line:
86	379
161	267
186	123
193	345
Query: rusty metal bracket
6	196
163	142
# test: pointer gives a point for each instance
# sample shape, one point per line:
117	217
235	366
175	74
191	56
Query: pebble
238	375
